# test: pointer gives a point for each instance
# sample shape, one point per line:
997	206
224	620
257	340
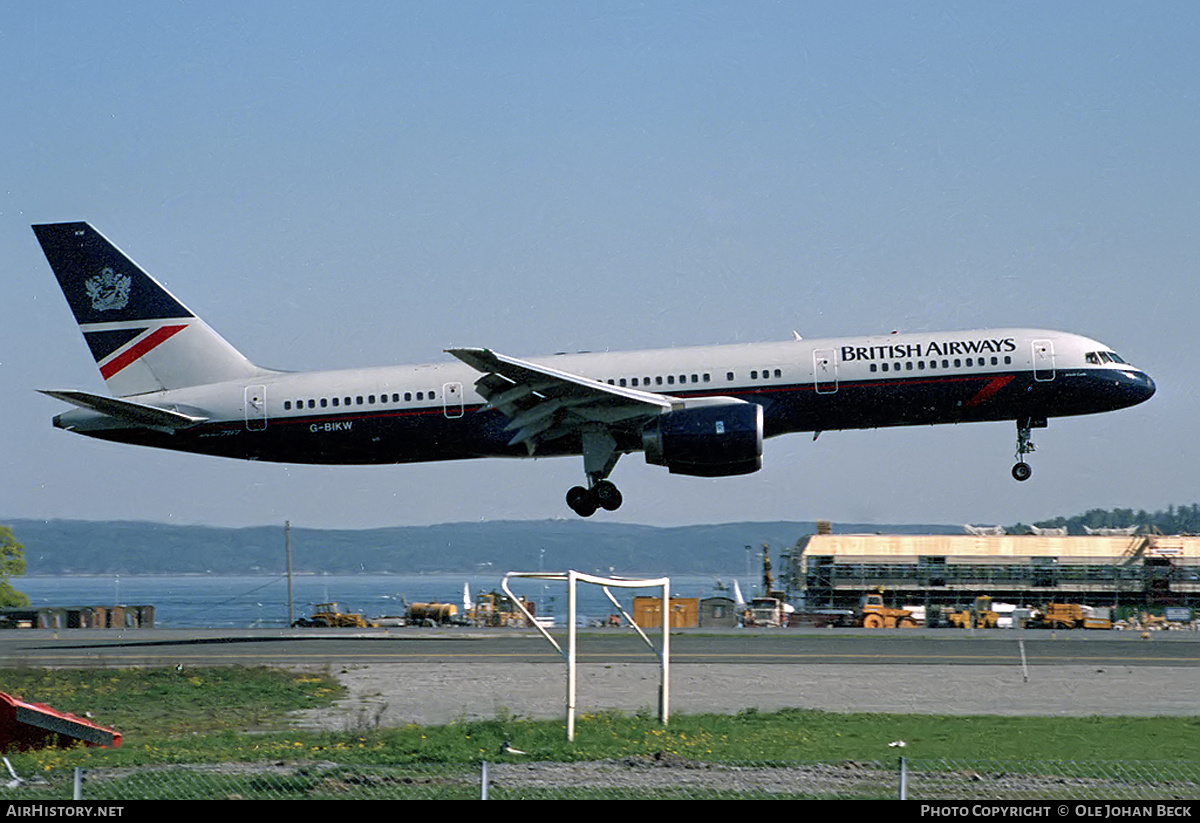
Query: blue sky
337	185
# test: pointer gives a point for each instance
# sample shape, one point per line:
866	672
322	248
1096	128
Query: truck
873	614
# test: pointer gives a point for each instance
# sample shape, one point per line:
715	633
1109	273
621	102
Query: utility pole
287	547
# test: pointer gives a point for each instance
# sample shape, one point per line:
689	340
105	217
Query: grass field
211	715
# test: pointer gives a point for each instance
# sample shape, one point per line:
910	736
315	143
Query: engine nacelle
709	437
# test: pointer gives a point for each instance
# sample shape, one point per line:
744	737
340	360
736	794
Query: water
237	601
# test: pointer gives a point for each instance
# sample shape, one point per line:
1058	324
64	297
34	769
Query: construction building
1140	571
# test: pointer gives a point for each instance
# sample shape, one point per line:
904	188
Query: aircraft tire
1021	472
607	495
582	501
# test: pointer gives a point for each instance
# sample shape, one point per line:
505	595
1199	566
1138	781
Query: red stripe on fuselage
988	391
144	346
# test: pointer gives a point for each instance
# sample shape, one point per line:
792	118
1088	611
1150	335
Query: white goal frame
572	578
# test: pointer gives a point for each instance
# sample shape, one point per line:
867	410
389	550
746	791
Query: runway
492	646
432	676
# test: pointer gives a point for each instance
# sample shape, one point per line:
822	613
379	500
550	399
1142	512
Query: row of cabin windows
359	400
945	364
683	379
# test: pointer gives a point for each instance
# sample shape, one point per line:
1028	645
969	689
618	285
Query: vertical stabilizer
143	339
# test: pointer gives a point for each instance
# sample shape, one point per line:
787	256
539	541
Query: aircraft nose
1139	386
1147	385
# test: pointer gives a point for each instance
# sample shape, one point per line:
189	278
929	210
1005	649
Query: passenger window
778	373
287	405
324	403
432	395
729	376
312	404
874	367
408	397
754	375
335	401
670	380
359	400
420	395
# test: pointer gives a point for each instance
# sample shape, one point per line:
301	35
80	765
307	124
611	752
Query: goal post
572	579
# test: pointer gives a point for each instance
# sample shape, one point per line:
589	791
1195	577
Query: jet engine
709	437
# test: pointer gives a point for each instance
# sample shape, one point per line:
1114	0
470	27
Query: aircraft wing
137	413
544	404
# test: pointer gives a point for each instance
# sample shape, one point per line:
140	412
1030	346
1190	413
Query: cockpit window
1096	358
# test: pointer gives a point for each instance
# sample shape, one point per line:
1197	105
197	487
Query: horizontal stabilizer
137	413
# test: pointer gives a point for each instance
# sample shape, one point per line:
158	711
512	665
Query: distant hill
54	547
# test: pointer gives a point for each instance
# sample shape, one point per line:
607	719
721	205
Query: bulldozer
872	614
329	615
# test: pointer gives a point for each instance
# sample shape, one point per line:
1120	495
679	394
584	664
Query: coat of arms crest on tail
108	290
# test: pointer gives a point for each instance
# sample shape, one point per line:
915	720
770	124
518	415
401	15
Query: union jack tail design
143	339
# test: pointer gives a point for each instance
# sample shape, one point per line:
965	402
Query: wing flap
542	403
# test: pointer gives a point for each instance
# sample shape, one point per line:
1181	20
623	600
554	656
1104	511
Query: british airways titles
934	348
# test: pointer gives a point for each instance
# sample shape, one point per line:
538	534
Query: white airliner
705	411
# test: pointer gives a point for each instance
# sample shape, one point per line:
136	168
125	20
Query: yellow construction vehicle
329	615
1070	616
979	615
496	609
872	614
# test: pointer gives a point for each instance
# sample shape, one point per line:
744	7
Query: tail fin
143	339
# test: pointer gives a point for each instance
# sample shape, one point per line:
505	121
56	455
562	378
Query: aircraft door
825	375
452	400
1043	360
256	408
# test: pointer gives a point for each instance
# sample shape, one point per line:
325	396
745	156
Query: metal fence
661	777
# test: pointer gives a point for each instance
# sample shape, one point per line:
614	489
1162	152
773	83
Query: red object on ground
26	726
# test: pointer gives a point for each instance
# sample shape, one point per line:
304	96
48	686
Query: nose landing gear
1021	471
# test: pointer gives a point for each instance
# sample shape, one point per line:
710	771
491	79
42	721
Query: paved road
825	647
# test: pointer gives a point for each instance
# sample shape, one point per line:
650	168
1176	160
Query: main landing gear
602	495
1021	471
600	457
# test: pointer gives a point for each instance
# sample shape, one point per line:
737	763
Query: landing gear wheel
1021	472
582	501
607	495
